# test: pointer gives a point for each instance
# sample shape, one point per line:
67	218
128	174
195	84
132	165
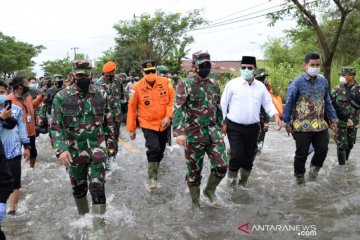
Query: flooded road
271	207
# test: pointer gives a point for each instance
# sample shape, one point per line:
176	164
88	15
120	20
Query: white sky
63	24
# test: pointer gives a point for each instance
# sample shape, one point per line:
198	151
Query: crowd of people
83	120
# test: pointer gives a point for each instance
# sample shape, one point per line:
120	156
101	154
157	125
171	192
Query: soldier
345	98
129	86
261	75
113	88
197	127
79	115
175	81
153	97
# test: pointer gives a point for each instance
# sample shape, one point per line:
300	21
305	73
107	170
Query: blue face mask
2	99
247	74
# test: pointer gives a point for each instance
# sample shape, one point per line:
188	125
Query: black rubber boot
341	156
348	153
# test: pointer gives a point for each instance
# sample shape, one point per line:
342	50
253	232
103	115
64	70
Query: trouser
81	173
117	134
319	140
169	135
14	165
33	151
243	145
194	154
155	141
345	137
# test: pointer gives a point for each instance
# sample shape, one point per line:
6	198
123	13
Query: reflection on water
331	203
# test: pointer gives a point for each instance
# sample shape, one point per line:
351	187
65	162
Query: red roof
217	66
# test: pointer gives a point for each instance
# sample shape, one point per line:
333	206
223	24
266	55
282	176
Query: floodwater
271	207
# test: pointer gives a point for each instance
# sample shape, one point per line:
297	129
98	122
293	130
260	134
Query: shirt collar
243	81
307	77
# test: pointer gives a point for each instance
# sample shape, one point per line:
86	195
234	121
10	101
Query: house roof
217	66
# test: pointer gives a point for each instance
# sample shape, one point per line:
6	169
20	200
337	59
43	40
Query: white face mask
342	80
313	71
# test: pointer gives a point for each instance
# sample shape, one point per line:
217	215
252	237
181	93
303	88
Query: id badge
28	118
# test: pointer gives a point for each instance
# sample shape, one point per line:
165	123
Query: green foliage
162	37
58	66
16	55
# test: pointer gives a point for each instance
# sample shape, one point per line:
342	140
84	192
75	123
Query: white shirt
241	102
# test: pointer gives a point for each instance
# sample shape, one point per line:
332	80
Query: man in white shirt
240	103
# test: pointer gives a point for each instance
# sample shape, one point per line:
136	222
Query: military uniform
197	115
343	98
114	88
78	122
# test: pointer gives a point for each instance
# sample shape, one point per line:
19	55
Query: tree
16	55
58	66
305	14
162	37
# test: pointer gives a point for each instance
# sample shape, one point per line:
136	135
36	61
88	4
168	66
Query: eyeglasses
248	67
150	71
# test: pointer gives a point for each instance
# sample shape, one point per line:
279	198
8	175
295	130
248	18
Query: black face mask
110	77
25	90
261	79
59	84
83	83
204	72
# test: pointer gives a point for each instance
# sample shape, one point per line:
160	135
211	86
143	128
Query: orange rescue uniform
153	104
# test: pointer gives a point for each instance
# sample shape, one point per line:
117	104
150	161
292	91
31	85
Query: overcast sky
88	25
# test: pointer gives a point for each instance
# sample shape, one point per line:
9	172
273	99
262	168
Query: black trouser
33	151
319	140
243	145
155	141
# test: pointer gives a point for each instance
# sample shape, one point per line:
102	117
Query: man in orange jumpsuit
151	101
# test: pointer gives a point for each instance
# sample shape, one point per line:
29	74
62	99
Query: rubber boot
195	195
209	191
153	175
348	153
300	179
82	205
313	171
98	221
244	176
232	178
32	162
341	156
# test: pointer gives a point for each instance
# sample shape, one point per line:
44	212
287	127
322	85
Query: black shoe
12	213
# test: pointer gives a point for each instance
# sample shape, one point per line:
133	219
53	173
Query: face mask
48	85
247	74
59	84
83	83
151	77
2	99
33	85
342	80
25	90
313	71
204	72
110	77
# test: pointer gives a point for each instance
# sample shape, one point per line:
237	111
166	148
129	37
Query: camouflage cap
162	69
200	57
261	72
82	67
348	70
58	77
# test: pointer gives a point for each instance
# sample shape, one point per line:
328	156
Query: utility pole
74	48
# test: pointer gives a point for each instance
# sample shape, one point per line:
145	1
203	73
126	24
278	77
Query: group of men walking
85	123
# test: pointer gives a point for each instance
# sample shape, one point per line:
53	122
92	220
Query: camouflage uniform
197	114
261	74
78	122
345	136
114	89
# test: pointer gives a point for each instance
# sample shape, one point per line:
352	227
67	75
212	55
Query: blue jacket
13	139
